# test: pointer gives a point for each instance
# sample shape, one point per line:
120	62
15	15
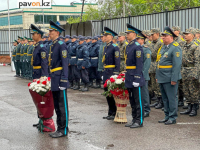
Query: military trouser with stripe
61	109
136	104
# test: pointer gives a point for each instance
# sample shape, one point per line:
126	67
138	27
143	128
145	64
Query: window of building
47	18
14	20
65	17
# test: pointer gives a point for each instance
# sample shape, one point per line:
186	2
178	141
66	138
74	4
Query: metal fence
4	39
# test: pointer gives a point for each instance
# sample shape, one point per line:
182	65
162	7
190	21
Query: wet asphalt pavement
88	131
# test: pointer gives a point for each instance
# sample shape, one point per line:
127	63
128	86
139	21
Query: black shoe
111	118
163	109
106	117
169	122
163	121
77	86
146	115
136	125
129	124
153	105
159	106
86	88
154	98
186	112
91	83
185	107
35	125
57	134
180	103
71	85
16	76
98	85
194	110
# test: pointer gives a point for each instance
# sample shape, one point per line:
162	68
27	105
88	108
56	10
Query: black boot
98	85
160	104
180	102
194	110
187	111
71	85
154	104
185	107
77	86
91	83
86	88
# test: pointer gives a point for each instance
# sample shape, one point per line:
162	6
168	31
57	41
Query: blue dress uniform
73	71
134	78
17	58
111	60
82	56
169	69
39	59
68	43
58	61
93	70
146	66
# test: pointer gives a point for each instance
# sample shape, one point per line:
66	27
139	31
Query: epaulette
126	43
60	42
175	44
161	40
114	45
41	45
196	44
137	43
182	39
149	42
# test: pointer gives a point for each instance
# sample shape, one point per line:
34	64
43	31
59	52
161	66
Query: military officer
39	60
17	58
146	65
88	40
21	57
14	54
25	65
148	40
58	62
83	63
197	36
74	78
99	39
111	60
29	56
168	73
93	70
190	72
67	40
156	45
134	76
115	39
122	47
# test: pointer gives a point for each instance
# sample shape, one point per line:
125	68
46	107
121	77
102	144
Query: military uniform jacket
22	53
82	56
89	44
197	41
180	41
111	56
25	51
134	57
18	51
155	46
146	62
14	53
94	54
191	61
39	61
100	63
48	46
68	43
170	55
122	48
148	42
29	52
72	53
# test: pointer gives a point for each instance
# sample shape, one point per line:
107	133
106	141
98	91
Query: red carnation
119	77
38	82
123	79
126	91
44	82
29	84
112	80
105	85
48	79
34	80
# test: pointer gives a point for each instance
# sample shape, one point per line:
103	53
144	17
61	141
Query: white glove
62	88
102	77
26	60
23	60
135	84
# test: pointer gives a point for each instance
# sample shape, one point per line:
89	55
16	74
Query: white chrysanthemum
37	91
118	81
114	76
47	87
108	82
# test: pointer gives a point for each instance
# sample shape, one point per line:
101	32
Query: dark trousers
21	70
18	67
111	105
61	108
145	97
136	104
94	73
73	73
169	93
84	76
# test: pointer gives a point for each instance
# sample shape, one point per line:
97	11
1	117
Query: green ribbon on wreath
42	126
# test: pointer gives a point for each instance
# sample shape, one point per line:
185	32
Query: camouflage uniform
197	40
122	48
155	46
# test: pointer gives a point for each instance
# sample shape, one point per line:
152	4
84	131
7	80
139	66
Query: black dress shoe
136	125
170	122
159	106
153	105
180	103
146	115
129	124
35	125
111	118
162	121
57	134
186	112
106	117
